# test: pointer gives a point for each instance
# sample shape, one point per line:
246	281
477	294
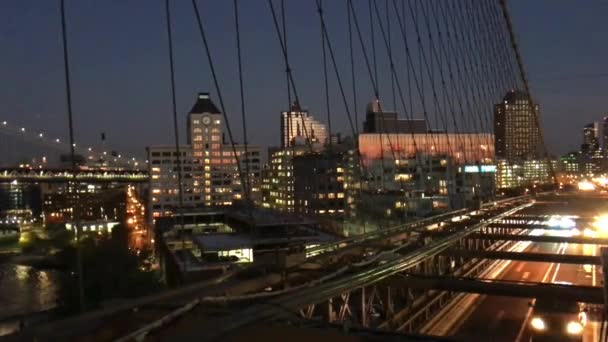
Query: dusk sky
121	79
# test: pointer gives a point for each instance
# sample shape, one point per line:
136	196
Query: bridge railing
383	233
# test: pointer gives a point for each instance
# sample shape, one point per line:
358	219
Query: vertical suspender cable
373	38
390	52
247	186
216	84
327	106
76	215
282	41
352	70
284	25
178	157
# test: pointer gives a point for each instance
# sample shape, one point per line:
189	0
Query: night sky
121	79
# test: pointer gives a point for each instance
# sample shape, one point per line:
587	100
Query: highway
482	318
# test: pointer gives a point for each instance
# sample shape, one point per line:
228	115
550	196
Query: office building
517	135
463	148
318	185
378	120
524	173
213	171
418	174
164	189
591	138
308	179
279	181
569	163
91	202
298	127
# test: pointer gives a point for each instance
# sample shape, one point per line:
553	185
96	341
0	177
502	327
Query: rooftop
204	105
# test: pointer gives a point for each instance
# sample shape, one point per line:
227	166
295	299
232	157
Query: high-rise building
591	136
298	127
377	120
211	175
517	135
605	135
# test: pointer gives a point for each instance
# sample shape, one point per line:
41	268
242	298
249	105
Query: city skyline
101	98
360	168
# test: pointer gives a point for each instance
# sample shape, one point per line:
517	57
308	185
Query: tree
111	271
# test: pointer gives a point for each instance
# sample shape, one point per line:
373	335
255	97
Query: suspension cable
76	213
374	84
247	186
178	157
289	104
524	78
373	38
410	64
325	80
288	70
217	88
455	90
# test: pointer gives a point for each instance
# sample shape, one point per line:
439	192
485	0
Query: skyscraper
300	128
516	131
591	136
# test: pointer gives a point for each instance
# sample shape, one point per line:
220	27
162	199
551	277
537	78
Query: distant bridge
8	175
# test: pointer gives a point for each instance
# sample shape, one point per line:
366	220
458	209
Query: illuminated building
378	120
590	139
308	179
90	202
210	172
20	196
517	135
298	127
463	148
319	184
416	174
280	178
216	240
570	163
592	157
523	173
164	191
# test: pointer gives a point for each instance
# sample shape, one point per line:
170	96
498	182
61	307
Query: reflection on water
23	290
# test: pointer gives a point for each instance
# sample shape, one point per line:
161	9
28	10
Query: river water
23	290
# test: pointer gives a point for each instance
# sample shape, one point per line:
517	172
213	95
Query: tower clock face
206	120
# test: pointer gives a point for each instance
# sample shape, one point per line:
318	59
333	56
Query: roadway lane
506	318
